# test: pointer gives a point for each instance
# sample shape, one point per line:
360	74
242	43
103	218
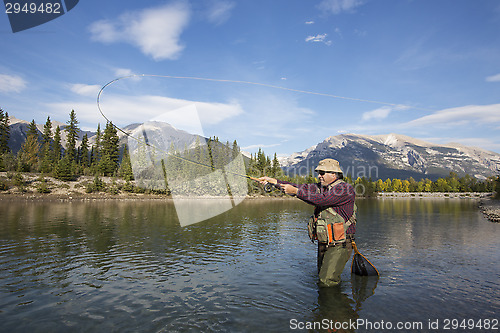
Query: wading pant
331	263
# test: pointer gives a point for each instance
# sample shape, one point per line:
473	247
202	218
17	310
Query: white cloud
382	113
219	11
123	110
262	145
121	72
85	89
155	31
310	22
338	6
320	38
105	32
11	83
493	78
481	114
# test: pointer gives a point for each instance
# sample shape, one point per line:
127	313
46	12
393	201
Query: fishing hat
329	165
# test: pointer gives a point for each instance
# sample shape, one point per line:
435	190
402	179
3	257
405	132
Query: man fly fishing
334	221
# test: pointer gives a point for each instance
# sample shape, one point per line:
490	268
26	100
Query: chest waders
334	244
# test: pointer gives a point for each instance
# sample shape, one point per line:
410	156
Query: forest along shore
35	187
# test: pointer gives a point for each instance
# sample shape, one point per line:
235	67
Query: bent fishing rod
267	186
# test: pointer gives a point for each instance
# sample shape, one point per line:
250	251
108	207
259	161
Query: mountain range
395	156
375	157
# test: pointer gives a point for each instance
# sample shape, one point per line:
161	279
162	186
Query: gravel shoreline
491	209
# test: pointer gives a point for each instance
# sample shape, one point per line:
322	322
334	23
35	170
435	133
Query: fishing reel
269	187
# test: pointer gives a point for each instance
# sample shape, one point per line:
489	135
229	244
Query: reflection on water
129	265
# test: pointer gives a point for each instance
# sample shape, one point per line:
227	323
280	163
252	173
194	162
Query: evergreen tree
95	156
64	169
235	150
84	160
28	155
110	151
210	151
57	148
47	134
126	166
276	168
4	132
46	152
72	130
263	163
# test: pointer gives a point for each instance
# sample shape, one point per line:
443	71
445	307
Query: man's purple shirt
340	197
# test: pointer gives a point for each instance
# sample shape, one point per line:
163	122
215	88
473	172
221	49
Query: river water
128	266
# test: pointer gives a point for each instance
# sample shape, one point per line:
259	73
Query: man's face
326	178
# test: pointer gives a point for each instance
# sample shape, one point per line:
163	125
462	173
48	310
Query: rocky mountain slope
395	156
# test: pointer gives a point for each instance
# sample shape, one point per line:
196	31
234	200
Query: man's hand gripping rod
268	187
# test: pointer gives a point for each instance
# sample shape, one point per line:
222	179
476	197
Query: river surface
128	266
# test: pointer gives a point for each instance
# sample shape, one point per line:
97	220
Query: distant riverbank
451	195
36	187
28	185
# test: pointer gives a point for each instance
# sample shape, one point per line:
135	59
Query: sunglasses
322	173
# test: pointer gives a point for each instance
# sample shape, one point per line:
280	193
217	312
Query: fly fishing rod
268	187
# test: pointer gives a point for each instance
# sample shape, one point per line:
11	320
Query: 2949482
33	8
470	324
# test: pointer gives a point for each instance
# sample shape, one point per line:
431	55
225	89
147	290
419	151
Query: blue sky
427	69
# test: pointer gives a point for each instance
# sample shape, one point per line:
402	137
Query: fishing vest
329	227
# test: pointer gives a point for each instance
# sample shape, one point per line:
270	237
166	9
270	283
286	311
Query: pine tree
57	149
84	152
4	132
276	168
72	130
95	156
126	166
28	155
47	133
211	153
63	170
46	158
110	151
235	150
261	162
